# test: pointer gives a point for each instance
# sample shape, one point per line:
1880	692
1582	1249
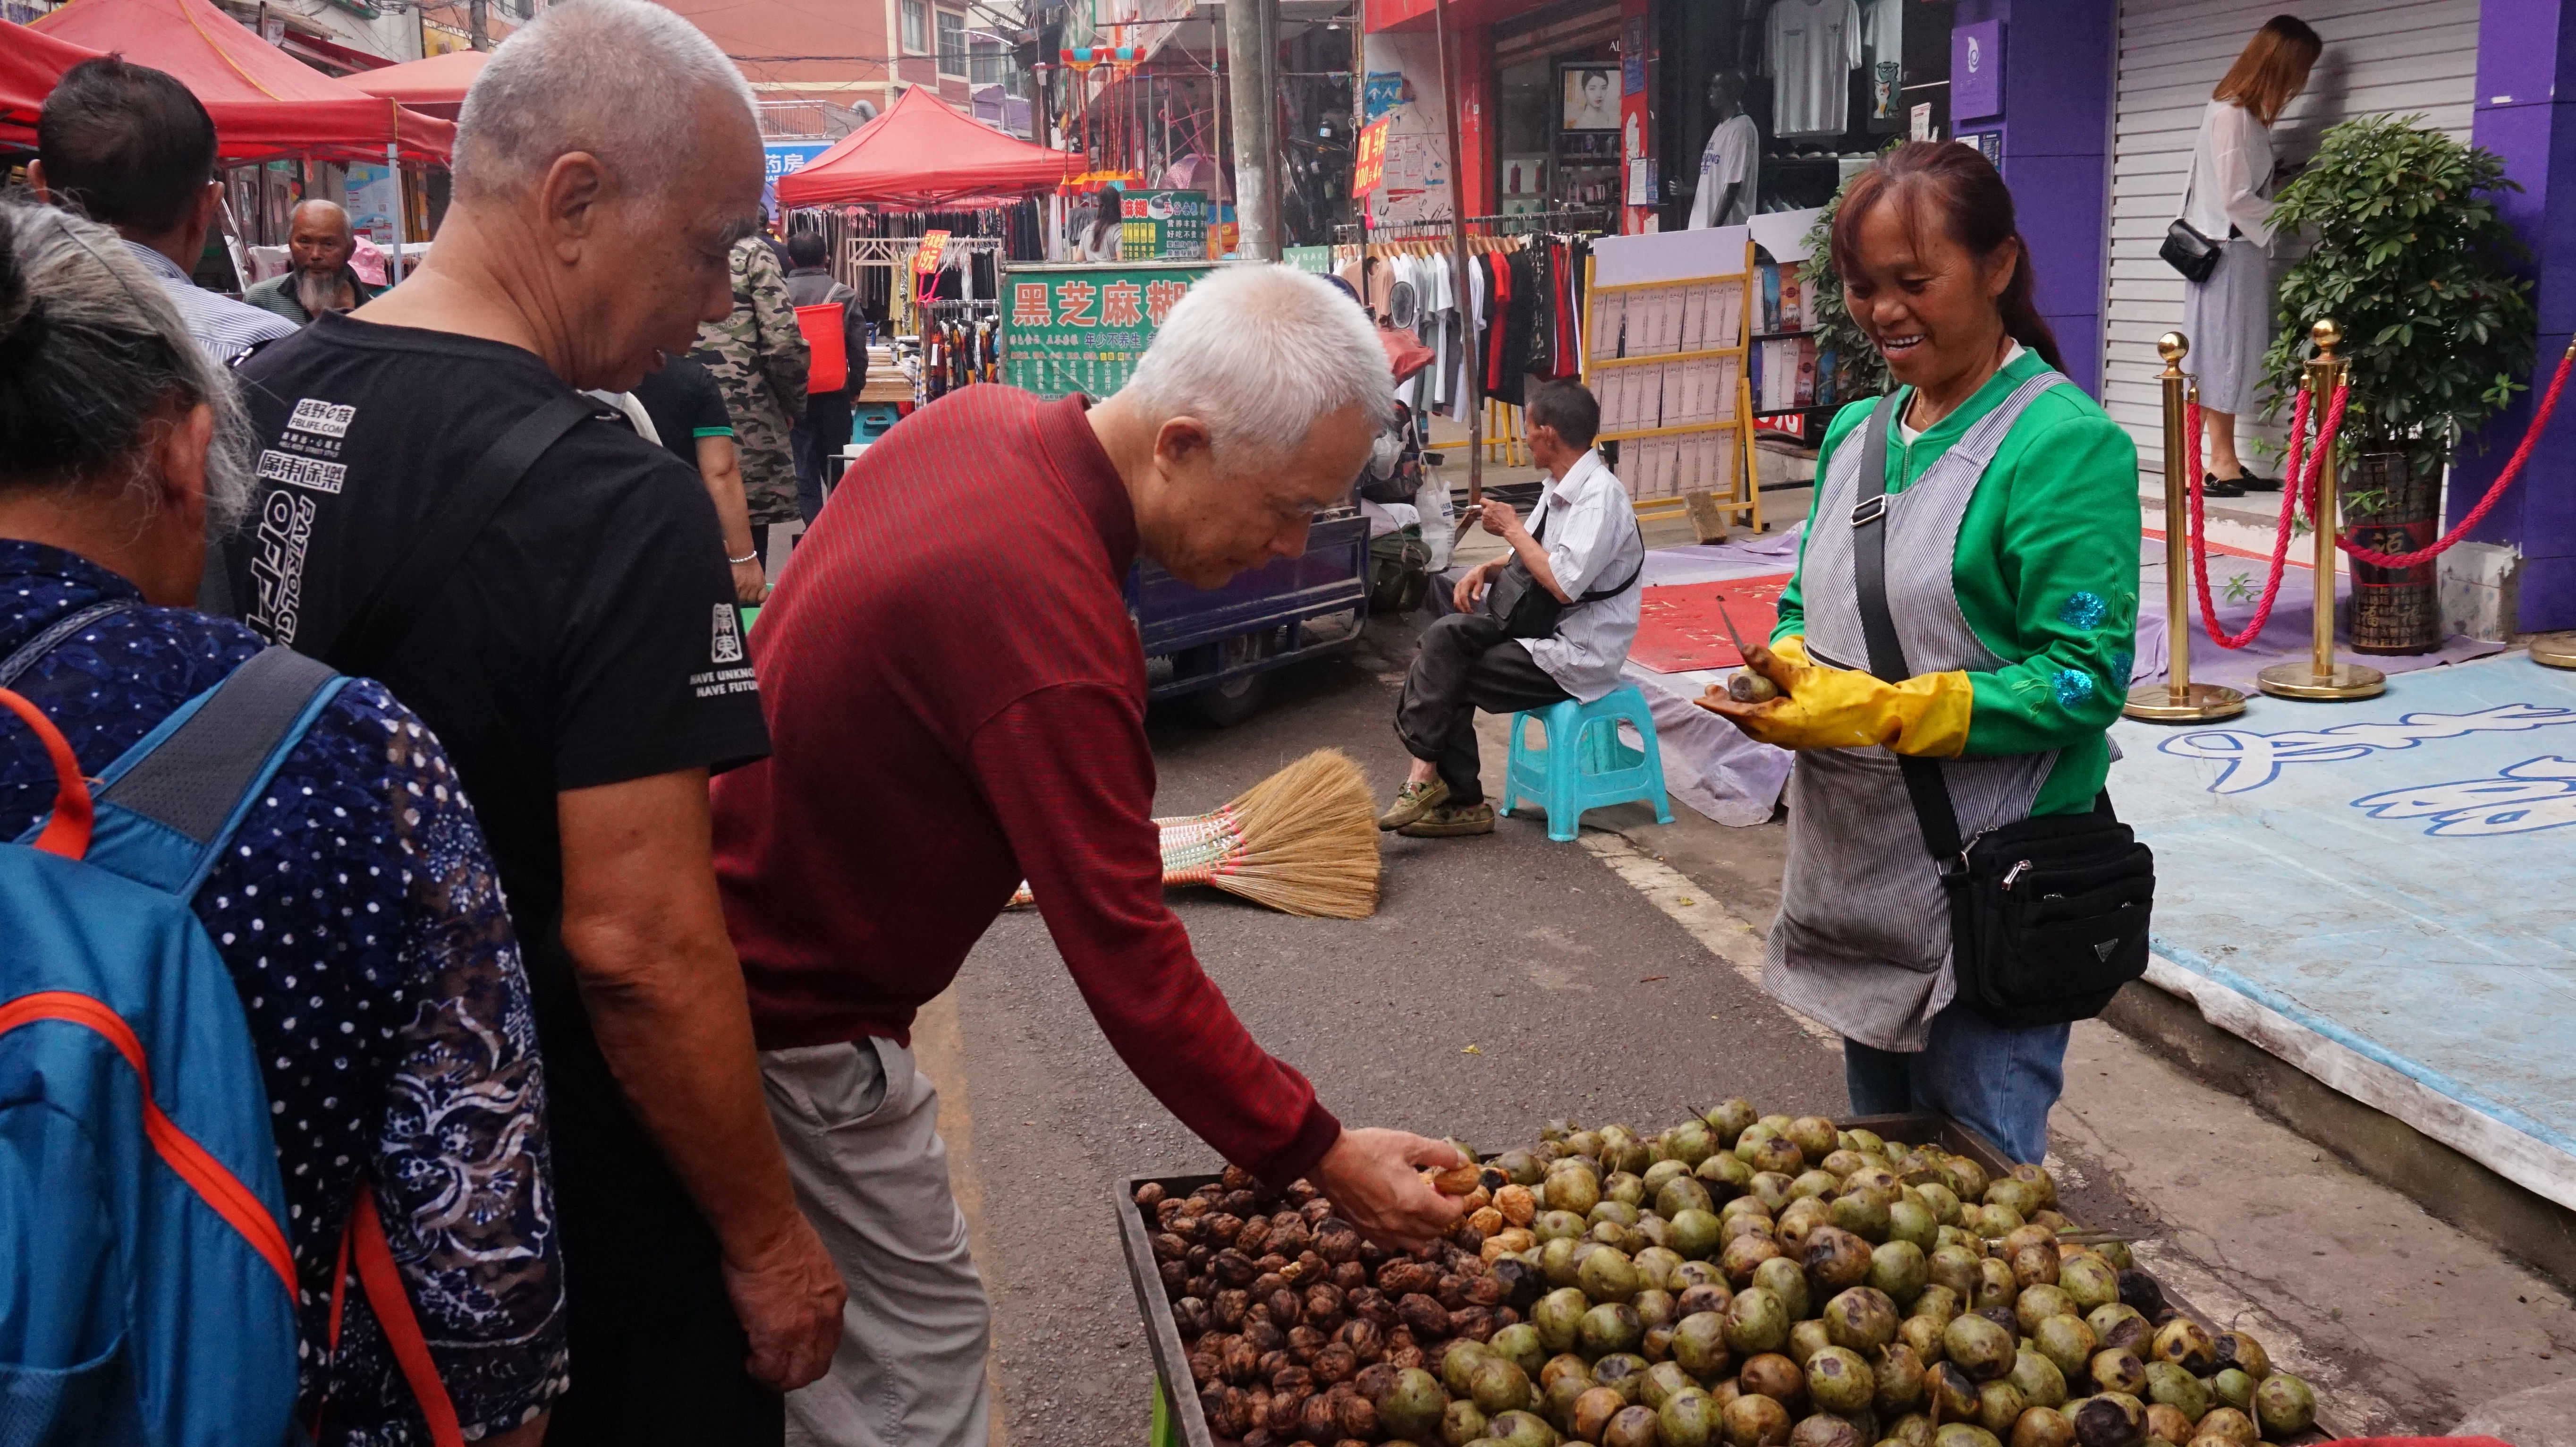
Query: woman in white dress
2228	199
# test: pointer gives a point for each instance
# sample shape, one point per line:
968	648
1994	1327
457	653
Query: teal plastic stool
1585	764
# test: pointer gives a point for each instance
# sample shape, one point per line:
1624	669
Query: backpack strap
43	643
387	617
364	1238
197	775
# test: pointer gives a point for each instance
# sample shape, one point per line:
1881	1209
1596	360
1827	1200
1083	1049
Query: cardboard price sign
1368	165
926	260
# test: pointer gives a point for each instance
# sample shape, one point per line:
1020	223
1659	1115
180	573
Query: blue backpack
147	1288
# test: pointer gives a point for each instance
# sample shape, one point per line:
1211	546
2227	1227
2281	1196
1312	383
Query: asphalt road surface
1504	981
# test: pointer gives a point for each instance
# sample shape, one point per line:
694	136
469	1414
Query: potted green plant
2413	263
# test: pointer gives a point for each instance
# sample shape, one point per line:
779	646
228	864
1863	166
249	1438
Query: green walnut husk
1980	1348
2284	1404
1840	1380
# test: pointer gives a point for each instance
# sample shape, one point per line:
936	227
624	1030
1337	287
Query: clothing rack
1578	220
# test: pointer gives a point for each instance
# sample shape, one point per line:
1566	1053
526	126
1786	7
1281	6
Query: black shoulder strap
43	643
390	613
194	779
1923	782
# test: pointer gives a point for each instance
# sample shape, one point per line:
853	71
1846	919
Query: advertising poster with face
1591	97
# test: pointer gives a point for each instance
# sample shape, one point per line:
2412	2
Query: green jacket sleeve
782	354
1793	610
2067	554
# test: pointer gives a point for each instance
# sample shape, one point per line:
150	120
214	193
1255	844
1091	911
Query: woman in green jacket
2011	569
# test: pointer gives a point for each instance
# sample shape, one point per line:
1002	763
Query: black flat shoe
2213	487
2252	483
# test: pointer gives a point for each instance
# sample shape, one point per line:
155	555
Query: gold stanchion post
2178	699
2321	679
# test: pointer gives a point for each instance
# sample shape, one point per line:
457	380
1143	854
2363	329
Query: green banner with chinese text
1069	329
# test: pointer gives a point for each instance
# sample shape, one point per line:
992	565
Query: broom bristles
1310	840
1303	842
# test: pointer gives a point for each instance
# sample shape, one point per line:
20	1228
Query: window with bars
989	63
916	27
952	43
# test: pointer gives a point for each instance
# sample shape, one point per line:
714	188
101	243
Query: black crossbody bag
2048	915
1526	610
2188	251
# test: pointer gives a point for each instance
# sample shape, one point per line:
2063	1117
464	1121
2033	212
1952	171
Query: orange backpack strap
364	1239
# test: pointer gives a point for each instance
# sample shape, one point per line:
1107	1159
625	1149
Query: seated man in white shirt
1568	638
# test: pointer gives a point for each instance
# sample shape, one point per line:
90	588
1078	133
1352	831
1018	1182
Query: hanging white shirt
1733	158
1811	48
1590	533
2230	183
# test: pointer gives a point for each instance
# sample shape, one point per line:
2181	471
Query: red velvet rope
2495	490
2297	484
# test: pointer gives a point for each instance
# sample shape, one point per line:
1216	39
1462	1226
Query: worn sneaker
1412	802
1450	821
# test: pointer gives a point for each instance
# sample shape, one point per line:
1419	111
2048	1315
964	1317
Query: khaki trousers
859	1124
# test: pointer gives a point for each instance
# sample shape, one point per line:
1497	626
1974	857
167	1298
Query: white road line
1687	904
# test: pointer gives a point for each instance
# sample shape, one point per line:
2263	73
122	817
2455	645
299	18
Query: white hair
1260	354
610	77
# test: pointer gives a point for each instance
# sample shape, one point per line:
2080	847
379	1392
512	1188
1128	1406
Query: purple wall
2526	113
2057	134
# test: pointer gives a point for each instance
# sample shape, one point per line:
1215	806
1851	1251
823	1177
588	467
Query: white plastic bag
1439	520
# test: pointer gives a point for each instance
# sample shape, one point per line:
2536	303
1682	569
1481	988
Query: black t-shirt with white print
589	637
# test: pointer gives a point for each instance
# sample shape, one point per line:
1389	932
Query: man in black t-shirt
688	411
584	666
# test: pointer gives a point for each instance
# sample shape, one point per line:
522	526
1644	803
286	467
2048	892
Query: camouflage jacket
759	359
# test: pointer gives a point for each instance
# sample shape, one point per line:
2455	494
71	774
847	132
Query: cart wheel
1231	702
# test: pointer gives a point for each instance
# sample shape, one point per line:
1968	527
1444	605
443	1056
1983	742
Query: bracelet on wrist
750	557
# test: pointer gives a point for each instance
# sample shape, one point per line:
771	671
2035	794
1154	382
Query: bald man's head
318	238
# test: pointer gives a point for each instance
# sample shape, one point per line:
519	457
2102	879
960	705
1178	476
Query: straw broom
1303	841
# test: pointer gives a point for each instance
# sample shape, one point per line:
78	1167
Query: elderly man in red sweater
956	697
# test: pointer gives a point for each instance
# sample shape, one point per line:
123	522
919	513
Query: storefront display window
1768	105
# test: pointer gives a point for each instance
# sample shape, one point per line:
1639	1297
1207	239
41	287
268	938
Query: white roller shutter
2381	56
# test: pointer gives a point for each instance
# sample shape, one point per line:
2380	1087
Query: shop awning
267	105
921	153
30	62
435	86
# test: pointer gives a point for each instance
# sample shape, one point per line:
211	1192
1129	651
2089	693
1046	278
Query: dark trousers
821	436
1465	663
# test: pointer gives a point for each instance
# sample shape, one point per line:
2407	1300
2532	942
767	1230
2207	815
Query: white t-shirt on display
1811	49
1733	157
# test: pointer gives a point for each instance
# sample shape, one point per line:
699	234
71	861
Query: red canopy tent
267	105
922	153
435	86
30	62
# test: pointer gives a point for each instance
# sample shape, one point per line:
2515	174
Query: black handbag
2048	915
1526	610
2186	250
2189	252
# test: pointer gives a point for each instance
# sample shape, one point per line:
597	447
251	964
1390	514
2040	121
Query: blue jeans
1996	1081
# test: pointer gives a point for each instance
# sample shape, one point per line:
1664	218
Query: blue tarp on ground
2391	886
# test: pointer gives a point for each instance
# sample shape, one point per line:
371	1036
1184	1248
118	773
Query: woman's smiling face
1924	299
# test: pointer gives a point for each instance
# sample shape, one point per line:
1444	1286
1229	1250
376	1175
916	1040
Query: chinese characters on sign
1081	330
1368	165
933	244
1163	226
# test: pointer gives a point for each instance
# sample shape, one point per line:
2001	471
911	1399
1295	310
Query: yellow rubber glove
1845	708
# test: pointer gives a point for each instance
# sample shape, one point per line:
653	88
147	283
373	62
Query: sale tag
1368	166
926	260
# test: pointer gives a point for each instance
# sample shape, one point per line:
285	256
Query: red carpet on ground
1679	629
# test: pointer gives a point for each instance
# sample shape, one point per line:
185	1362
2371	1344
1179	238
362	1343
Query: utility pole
1251	43
475	11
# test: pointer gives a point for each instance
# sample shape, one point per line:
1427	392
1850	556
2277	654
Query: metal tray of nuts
1137	1226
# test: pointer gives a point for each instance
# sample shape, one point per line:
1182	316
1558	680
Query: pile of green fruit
1738	1281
